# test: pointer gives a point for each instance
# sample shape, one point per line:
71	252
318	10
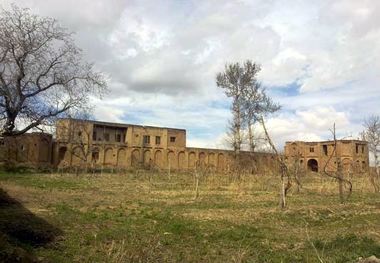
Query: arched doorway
312	165
121	158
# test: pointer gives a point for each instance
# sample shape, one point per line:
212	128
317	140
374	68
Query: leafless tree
372	135
235	80
42	72
286	182
338	175
256	103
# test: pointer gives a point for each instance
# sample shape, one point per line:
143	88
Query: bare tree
256	103
42	72
235	81
285	177
338	175
372	135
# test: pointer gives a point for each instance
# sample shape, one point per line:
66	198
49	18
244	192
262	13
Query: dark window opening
106	137
158	140
22	148
325	149
146	139
362	148
95	157
311	149
94	136
357	148
172	139
79	134
118	137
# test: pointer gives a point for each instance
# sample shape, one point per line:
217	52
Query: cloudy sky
320	60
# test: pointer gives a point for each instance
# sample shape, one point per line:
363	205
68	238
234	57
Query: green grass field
149	217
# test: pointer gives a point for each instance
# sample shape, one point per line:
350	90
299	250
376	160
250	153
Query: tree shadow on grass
21	231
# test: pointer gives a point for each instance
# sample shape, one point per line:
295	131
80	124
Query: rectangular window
325	149
146	139
106	137
118	138
94	136
357	148
158	140
172	139
362	148
311	149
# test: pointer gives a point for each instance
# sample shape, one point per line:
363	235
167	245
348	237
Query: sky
320	60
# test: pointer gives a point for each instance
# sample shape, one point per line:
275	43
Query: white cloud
162	59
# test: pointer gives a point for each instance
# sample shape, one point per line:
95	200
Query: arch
121	158
172	164
364	166
135	157
192	160
147	158
158	158
181	160
108	156
62	154
77	156
202	159
95	155
44	150
212	160
221	161
312	165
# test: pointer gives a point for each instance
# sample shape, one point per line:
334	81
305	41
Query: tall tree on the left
42	72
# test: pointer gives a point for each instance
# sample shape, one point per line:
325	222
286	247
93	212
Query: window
79	134
2	142
325	149
118	138
158	140
362	148
311	149
106	137
172	139
94	135
146	139
357	148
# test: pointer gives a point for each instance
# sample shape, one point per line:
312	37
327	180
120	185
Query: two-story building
314	156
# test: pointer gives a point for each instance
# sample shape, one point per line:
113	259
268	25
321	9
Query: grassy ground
149	217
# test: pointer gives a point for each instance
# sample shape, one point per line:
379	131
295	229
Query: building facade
353	155
98	144
29	150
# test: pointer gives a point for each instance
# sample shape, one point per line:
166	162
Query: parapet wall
185	158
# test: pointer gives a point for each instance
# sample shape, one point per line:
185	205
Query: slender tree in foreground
372	135
235	80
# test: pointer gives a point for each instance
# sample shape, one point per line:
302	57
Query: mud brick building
96	144
29	150
313	156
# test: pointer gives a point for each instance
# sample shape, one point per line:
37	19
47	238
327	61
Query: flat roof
122	125
329	141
